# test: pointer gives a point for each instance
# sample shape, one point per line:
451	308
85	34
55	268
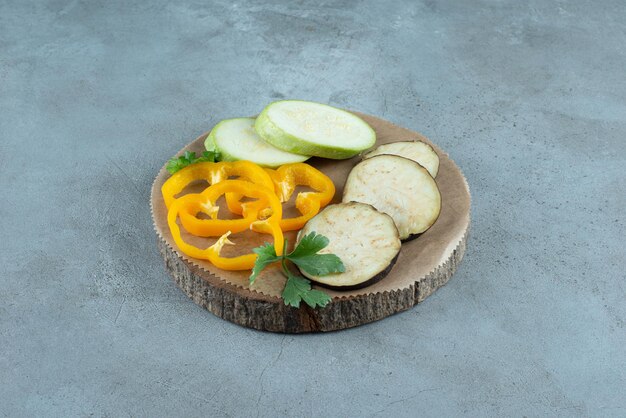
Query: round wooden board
425	263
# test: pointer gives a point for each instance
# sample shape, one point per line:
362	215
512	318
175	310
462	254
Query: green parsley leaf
315	298
188	158
306	258
298	288
266	256
309	244
174	165
211	156
318	264
294	288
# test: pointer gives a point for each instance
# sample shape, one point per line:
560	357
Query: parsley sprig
306	257
189	158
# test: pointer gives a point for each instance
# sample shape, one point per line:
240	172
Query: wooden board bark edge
254	310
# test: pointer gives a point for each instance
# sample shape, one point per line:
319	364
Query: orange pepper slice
214	173
287	177
189	203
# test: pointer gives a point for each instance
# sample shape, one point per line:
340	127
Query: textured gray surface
526	96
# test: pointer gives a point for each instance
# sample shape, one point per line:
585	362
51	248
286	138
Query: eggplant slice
399	187
366	240
418	151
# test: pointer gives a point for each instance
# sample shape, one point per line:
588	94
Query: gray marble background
528	97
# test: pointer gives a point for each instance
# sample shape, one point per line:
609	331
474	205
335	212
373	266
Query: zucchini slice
399	187
310	128
418	151
237	140
365	239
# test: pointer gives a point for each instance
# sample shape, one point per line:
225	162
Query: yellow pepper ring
287	177
270	225
195	203
214	173
205	202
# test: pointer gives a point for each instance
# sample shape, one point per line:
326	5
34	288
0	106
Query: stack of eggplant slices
389	197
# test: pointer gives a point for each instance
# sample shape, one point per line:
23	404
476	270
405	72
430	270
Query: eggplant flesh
418	151
399	187
366	240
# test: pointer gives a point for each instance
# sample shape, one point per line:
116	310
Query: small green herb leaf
316	298
174	165
292	291
319	264
306	258
309	244
211	156
298	288
266	256
189	158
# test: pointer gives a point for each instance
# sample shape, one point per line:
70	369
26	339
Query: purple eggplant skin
378	277
412	237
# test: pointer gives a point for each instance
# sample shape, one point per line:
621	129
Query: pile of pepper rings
269	188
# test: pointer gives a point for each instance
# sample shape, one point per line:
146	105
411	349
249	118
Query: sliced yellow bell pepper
214	227
214	173
287	177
